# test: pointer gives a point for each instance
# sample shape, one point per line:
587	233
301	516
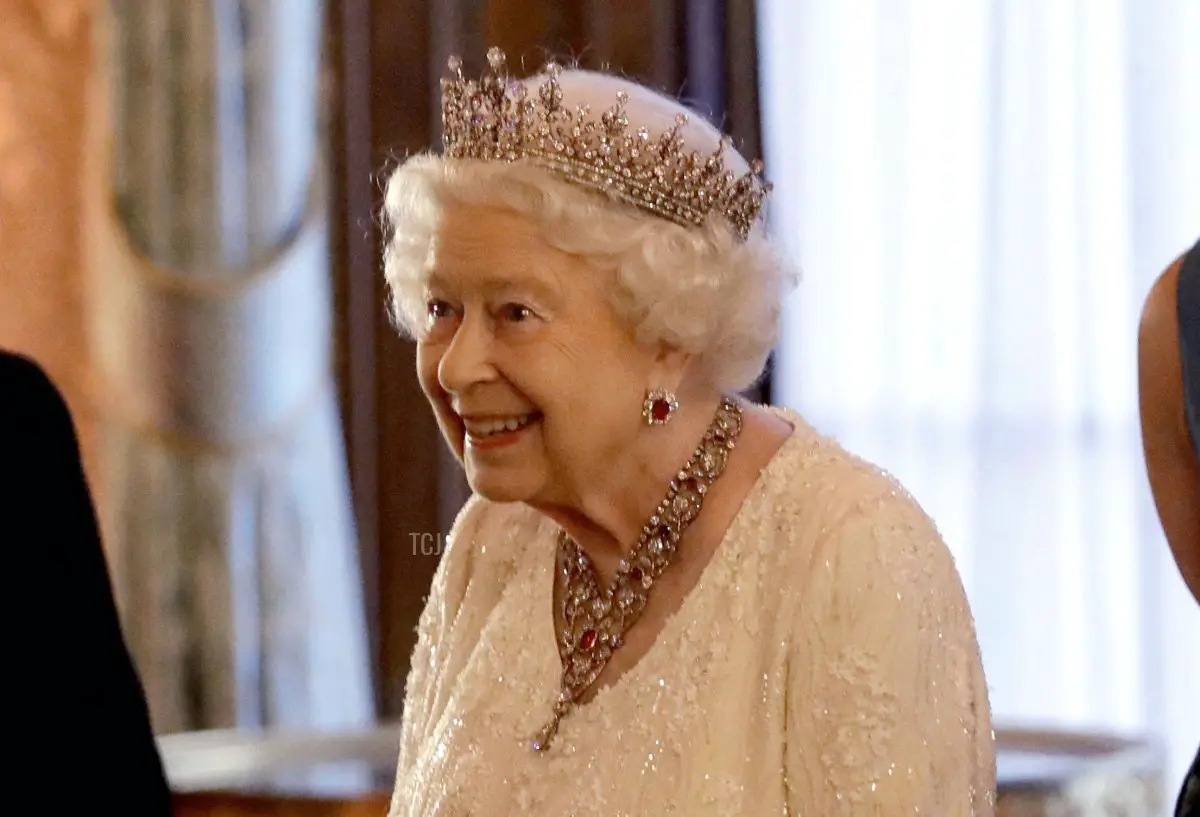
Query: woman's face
536	384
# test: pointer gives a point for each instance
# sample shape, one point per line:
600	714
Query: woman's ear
671	365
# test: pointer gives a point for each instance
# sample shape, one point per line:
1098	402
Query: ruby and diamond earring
659	407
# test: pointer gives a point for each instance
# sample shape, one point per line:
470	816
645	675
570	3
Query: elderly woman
660	599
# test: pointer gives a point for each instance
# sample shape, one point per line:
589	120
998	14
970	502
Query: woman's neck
607	518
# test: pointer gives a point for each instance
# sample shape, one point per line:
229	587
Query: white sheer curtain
979	195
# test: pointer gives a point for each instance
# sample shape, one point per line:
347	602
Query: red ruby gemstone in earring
660	410
587	640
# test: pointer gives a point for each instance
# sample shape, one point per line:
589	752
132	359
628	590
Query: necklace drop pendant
596	619
541	743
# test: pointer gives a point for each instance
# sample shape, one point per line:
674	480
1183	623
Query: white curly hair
701	290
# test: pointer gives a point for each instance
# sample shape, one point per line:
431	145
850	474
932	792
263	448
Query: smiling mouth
498	427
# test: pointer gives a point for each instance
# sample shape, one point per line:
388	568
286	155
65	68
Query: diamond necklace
595	619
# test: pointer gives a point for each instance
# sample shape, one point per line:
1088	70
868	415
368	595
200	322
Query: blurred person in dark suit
82	730
1169	395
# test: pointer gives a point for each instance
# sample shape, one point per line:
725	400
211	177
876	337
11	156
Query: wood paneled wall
387	57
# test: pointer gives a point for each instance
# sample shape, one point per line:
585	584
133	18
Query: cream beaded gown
826	663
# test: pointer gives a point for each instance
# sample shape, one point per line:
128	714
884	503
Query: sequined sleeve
429	667
887	704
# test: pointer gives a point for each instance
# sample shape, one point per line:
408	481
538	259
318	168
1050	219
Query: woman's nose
467	358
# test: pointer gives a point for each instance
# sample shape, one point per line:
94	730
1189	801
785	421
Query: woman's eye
516	313
437	310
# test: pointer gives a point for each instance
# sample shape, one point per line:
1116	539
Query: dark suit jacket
78	733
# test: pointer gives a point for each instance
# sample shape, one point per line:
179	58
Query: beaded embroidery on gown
826	663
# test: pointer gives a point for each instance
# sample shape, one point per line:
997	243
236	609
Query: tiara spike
496	118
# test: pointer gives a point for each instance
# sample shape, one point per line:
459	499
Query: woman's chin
494	485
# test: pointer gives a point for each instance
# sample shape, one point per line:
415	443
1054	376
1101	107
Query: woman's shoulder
853	538
814	475
835	508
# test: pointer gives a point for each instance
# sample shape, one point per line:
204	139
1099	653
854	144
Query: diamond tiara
497	118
